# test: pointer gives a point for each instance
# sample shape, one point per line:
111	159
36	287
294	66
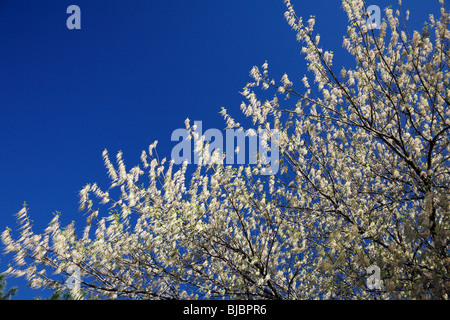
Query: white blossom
363	180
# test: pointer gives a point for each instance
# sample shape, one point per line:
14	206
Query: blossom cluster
363	180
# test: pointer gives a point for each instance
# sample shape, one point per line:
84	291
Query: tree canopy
363	181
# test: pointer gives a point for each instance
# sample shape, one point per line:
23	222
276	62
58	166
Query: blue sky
133	73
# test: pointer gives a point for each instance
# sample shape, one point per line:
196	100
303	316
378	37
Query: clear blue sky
133	73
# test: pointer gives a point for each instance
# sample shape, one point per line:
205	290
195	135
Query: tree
58	295
11	292
363	181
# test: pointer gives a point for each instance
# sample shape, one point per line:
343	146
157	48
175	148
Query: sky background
133	73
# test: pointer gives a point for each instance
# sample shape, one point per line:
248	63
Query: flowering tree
11	292
363	180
